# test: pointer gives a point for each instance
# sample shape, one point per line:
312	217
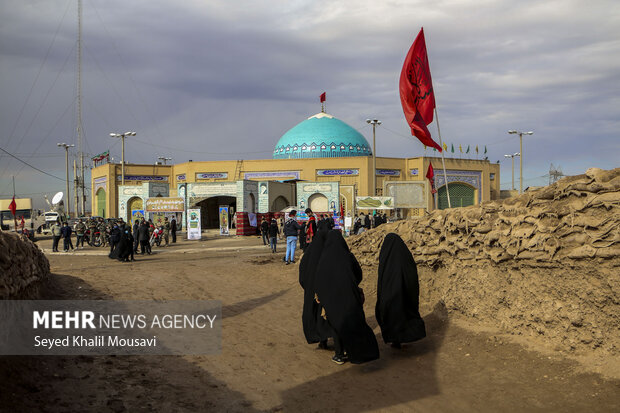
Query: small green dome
321	136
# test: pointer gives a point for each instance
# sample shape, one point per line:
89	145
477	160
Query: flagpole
443	161
14	215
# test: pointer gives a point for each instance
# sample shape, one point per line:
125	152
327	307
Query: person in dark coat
123	249
302	236
315	327
398	294
273	235
264	230
144	236
115	237
337	278
135	229
173	230
66	235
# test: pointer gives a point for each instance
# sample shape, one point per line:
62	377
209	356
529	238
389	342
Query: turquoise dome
321	136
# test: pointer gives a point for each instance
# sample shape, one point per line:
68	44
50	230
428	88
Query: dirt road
266	364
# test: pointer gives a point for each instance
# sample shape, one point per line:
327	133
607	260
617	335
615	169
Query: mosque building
321	163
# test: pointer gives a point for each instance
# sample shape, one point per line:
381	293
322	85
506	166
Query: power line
33	167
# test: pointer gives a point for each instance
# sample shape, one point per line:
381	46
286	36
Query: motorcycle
158	234
94	240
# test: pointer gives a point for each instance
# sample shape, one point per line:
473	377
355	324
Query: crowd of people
333	301
116	234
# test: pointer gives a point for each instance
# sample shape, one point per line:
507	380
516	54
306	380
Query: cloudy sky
212	80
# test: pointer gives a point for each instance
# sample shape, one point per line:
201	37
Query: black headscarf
398	293
337	278
315	327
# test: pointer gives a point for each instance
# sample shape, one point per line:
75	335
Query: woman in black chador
337	278
316	329
124	248
398	294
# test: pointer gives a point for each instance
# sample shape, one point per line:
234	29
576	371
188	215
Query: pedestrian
66	235
166	231
143	236
291	231
80	230
273	235
357	224
398	294
311	227
264	230
280	227
173	230
135	229
115	236
338	276
56	234
302	236
366	222
316	329
103	232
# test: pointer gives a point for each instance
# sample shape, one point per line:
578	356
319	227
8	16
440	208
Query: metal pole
76	185
374	161
123	159
521	162
68	197
443	163
513	172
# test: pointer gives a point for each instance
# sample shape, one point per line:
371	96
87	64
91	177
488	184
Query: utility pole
68	198
374	123
512	132
122	136
79	114
513	167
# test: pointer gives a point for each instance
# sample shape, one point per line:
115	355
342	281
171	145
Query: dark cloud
224	80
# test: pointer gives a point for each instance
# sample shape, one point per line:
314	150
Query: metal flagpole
443	162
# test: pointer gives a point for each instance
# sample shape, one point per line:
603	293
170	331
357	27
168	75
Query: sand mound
545	263
22	266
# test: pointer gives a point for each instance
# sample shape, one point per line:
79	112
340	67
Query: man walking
291	230
80	230
273	234
56	234
264	229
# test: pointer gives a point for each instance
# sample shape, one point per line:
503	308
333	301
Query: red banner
13	206
322	97
430	174
416	92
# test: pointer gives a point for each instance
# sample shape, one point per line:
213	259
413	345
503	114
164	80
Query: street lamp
164	159
513	167
122	136
374	123
512	132
66	146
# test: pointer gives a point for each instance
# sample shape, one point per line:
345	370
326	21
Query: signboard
224	220
193	224
212	175
407	194
414	171
136	214
335	172
388	172
271	175
348	222
374	202
164	205
142	178
181	177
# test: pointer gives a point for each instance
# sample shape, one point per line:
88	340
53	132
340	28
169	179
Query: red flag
430	174
23	222
322	97
13	206
416	92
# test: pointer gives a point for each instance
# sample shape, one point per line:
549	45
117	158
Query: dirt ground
266	365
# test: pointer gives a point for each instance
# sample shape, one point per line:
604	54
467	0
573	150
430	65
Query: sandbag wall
545	263
22	267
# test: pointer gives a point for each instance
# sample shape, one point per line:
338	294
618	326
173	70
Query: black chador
315	326
337	278
398	294
124	248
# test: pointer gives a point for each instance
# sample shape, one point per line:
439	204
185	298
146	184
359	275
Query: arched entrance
251	203
209	210
100	203
279	204
318	203
134	205
461	195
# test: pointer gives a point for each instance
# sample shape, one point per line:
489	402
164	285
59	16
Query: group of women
333	301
